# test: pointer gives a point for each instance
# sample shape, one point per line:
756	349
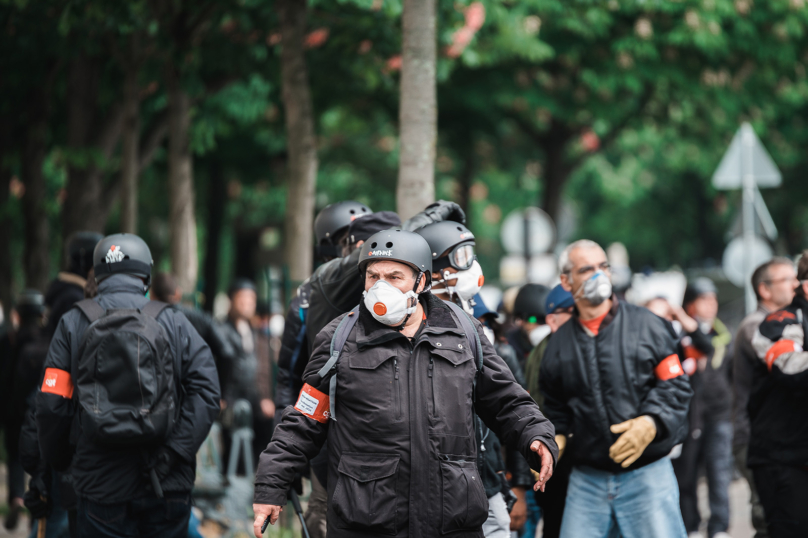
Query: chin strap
401	326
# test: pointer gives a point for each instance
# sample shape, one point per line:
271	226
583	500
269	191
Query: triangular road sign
746	151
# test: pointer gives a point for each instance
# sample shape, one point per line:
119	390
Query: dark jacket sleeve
551	385
779	343
199	389
508	409
29	446
336	287
294	350
298	438
514	461
668	401
54	413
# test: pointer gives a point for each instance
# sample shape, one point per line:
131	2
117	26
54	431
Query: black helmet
122	253
240	283
530	302
697	287
30	303
451	238
335	217
398	246
79	252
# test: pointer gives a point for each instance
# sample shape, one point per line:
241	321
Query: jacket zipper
397	389
430	372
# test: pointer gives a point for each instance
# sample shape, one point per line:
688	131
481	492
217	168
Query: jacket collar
610	315
800	302
370	332
121	284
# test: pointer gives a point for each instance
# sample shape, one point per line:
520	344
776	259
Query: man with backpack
394	385
129	393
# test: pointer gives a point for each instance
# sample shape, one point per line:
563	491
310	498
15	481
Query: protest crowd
406	404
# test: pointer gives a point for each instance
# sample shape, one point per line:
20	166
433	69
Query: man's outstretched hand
261	513
546	464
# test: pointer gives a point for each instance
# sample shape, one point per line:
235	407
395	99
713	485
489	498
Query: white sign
540	228
734	262
746	150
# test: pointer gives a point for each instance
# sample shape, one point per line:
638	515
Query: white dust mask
596	289
467	283
388	304
538	334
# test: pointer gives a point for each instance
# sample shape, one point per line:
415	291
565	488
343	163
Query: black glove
163	461
437	212
36	499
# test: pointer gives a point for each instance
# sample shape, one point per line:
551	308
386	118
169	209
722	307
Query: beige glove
561	441
637	435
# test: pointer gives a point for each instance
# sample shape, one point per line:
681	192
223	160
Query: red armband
58	382
669	368
313	403
779	347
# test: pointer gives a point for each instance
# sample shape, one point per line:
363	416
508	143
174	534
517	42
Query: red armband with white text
669	368
58	382
313	403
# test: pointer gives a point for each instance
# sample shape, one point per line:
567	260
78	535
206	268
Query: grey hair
564	263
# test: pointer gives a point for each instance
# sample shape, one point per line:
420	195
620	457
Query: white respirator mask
467	283
388	304
596	289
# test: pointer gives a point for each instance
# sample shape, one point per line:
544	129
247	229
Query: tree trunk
181	220
418	109
5	220
130	141
301	141
556	173
36	259
217	201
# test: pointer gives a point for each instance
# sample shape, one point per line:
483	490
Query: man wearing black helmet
68	287
395	393
529	315
138	388
458	277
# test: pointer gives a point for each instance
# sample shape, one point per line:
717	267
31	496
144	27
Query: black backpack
126	376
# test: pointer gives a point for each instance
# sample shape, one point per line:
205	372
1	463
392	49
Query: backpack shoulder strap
471	333
337	343
91	310
153	308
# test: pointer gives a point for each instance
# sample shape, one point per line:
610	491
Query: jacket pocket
465	506
365	494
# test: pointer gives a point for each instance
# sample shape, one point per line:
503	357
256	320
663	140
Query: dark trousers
712	447
553	498
147	517
783	491
758	517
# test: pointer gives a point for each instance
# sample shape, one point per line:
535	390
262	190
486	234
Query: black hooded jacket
402	448
108	475
590	383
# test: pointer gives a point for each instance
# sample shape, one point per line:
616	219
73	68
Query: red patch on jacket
779	347
58	382
313	403
669	368
780	315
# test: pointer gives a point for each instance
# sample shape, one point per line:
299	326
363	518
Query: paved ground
740	526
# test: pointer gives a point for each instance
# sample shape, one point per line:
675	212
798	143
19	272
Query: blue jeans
643	503
533	515
713	449
147	517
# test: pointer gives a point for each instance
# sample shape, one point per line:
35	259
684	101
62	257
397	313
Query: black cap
240	283
122	253
362	229
336	217
445	235
30	303
697	287
398	246
79	251
530	301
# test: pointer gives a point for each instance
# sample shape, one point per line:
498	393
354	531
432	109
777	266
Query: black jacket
591	383
114	475
779	399
215	335
744	361
402	450
294	354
